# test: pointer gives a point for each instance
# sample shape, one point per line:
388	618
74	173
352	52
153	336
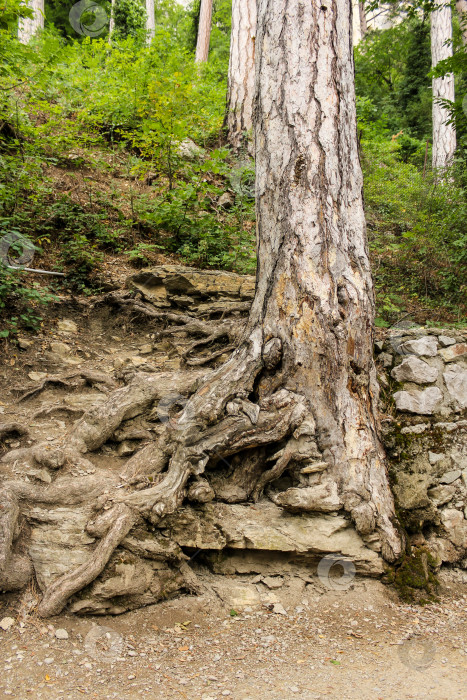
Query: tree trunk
204	31
28	27
362	17
461	6
150	21
241	85
444	135
314	285
112	19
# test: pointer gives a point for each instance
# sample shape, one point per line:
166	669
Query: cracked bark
241	86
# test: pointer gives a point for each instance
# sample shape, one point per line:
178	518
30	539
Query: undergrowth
118	150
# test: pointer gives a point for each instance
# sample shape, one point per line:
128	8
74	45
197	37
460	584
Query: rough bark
444	134
314	286
461	6
28	26
150	21
204	31
241	84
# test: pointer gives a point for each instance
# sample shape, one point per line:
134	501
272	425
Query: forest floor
361	642
358	643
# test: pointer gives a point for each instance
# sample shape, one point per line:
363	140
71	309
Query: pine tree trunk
444	135
28	27
461	6
241	74
150	21
204	31
314	285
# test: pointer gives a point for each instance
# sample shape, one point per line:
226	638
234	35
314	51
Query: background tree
204	31
444	134
461	6
28	26
241	83
129	19
150	21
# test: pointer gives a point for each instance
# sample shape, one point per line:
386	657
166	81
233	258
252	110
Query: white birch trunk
28	27
241	86
204	31
150	22
461	6
444	135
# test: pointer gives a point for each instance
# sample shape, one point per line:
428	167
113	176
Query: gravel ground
358	643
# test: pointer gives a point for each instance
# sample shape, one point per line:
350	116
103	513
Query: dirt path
360	643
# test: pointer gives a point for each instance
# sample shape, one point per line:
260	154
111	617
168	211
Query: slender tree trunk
461	6
112	19
204	31
29	26
362	16
444	135
150	21
241	73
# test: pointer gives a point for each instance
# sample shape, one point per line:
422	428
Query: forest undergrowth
117	152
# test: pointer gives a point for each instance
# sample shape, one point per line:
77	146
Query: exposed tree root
71	379
57	595
231	422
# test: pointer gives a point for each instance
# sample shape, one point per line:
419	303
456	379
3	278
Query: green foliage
19	303
130	19
392	70
91	166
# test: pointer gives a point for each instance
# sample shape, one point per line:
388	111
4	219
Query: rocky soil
354	642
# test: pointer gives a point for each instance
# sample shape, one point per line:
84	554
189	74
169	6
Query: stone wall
423	376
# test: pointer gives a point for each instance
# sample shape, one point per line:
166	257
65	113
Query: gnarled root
57	595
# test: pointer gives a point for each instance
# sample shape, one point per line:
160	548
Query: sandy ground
357	643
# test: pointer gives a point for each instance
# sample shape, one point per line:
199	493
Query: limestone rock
424	402
426	346
322	498
450	477
61	349
445	341
66	325
190	150
237	596
226	200
440	495
454	352
386	359
411	490
58	541
6	623
267	528
415	429
434	457
456	526
163	283
412	369
455	378
61	633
